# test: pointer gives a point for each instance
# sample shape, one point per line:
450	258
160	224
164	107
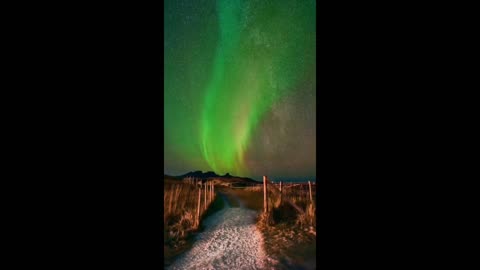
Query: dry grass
179	208
290	235
283	226
252	197
299	194
180	217
283	212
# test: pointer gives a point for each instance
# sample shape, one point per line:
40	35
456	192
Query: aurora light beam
262	53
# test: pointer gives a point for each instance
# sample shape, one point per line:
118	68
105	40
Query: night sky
240	87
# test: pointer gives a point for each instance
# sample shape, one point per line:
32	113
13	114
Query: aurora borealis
240	87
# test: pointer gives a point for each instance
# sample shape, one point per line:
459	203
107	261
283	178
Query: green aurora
230	66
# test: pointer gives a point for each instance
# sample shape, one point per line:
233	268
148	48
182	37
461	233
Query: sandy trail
230	241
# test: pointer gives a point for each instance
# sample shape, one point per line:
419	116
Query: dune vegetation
186	204
289	234
288	227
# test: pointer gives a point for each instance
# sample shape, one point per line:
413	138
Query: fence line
277	192
184	200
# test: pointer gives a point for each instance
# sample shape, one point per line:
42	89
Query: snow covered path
230	241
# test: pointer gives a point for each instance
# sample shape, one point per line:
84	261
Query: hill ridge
209	175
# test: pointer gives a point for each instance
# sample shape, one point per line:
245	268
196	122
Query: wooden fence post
172	190
265	201
177	192
205	206
198	207
280	192
209	192
310	190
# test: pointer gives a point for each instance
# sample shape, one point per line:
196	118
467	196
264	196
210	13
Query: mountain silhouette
209	175
199	174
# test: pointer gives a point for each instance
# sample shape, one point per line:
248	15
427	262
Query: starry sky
240	88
